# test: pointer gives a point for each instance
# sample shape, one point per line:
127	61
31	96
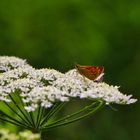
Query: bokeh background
60	33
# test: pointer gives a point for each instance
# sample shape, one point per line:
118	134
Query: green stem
53	111
32	118
26	122
75	114
57	124
14	120
56	110
41	116
20	109
15	123
38	116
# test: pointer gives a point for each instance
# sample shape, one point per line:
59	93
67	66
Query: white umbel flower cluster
46	86
7	63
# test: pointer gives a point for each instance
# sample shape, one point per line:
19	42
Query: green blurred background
60	33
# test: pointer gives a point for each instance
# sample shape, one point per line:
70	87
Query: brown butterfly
94	73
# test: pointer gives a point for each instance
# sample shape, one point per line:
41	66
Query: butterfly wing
91	72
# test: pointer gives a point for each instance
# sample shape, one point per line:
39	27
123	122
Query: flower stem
53	111
38	116
32	118
25	121
15	123
65	120
13	120
42	109
20	109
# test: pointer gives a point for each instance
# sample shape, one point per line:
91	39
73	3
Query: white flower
8	63
28	135
5	134
29	108
46	86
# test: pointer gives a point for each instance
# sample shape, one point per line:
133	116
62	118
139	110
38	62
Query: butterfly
94	73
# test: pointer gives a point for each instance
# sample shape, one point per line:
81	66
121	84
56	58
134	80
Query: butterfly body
91	72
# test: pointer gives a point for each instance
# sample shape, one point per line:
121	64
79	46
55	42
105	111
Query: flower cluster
8	63
5	134
46	86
